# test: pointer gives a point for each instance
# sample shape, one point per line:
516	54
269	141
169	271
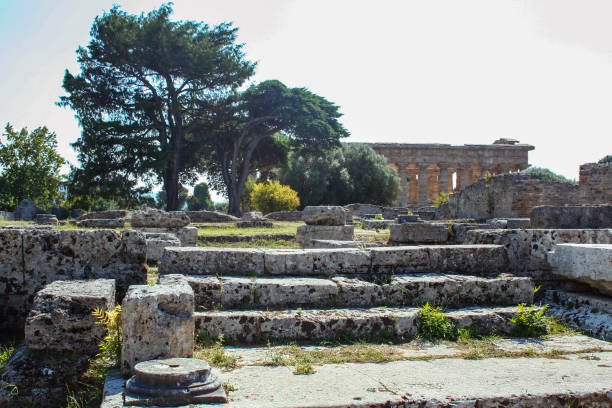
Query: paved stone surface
441	383
248	326
554	343
61	318
157	322
160	219
588	263
324	215
419	233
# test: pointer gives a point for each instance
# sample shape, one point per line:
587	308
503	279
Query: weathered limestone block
210	216
307	233
236	292
419	232
528	249
588	263
206	290
329	243
46	219
61	317
156	242
26	210
277	292
102	223
158	322
253	216
510	223
404	259
285	216
324	215
345	260
376	224
583	311
288	262
471	259
485	320
33	257
357	292
160	219
211	261
572	216
459	230
187	235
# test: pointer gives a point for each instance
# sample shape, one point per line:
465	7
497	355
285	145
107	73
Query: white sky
430	71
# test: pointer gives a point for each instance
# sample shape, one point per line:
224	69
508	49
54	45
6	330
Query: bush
435	326
273	196
547	175
607	159
443	198
529	322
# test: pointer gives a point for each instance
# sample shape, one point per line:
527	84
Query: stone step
473	259
250	326
587	312
452	291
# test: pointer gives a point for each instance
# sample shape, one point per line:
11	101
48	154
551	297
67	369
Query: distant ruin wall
32	257
514	195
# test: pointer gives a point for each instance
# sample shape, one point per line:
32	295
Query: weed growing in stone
435	326
530	322
303	366
110	347
6	353
214	352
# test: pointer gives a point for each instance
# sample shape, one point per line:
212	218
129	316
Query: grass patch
230	228
259	243
152	275
212	350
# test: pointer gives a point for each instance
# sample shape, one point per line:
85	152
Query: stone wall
33	257
572	216
515	195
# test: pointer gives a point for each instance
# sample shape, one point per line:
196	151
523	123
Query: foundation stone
61	318
307	233
156	242
159	219
324	215
419	232
157	322
591	264
574	216
102	223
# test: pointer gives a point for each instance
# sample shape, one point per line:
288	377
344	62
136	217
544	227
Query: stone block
211	261
237	292
572	216
470	259
159	219
156	242
26	210
335	261
329	243
46	219
376	224
252	216
419	233
102	223
255	224
324	215
288	262
206	290
158	322
357	292
307	233
61	318
187	235
283	292
103	215
588	263
210	216
403	259
285	216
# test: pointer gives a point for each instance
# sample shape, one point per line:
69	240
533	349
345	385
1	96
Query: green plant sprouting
110	347
435	326
530	322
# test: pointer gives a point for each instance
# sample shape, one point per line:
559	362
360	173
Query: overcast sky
429	71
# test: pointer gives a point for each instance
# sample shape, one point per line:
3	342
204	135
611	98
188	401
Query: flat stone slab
568	344
419	233
453	291
588	263
516	382
324	215
249	326
471	259
306	233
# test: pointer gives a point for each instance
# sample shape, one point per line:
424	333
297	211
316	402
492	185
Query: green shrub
530	322
110	347
273	196
443	198
607	159
547	175
378	217
435	326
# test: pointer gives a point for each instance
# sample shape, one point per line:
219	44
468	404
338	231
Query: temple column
423	185
463	177
444	180
403	185
413	193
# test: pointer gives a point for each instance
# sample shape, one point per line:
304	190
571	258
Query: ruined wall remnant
573	216
33	257
515	195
